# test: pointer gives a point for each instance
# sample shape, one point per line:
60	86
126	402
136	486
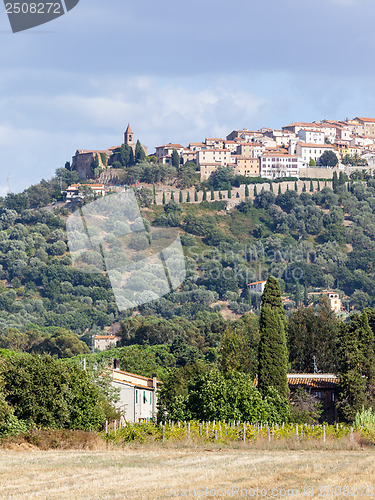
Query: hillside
310	242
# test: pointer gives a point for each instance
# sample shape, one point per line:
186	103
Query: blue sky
178	72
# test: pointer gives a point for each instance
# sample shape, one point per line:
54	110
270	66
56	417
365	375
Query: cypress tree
304	187
164	198
229	191
195	195
255	190
237	194
311	186
175	159
139	153
220	196
279	191
154	193
295	186
172	196
212	194
335	182
273	353
180	199
305	296
204	198
188	197
131	157
298	294
342	179
271	187
318	186
247	194
352	385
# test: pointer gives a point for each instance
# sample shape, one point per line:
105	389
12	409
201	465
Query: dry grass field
155	472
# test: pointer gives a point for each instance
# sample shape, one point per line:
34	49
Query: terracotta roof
128	130
257	282
210	150
140	377
313	380
308	145
104	337
371	120
170	145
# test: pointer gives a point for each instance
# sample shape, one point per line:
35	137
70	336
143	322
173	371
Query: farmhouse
138	395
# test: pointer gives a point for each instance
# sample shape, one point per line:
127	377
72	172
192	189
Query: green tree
247	194
273	353
328	159
180	198
188	197
312	162
353	381
195	195
311	186
139	155
239	346
164	200
335	182
48	393
295	186
312	336
175	159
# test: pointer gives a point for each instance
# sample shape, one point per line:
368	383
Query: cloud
47	129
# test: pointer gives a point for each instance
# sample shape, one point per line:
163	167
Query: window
333	396
136	396
144	397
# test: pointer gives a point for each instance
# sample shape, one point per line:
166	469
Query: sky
177	72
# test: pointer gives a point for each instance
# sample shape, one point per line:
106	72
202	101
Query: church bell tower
128	136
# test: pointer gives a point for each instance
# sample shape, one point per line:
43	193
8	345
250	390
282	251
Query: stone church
83	159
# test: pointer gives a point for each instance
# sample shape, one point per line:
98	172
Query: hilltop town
307	150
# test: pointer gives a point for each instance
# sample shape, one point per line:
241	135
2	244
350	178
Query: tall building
129	136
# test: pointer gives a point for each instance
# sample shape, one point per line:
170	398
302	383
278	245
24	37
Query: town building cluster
294	151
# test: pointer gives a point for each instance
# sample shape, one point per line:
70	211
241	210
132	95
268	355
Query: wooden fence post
163	433
324	433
